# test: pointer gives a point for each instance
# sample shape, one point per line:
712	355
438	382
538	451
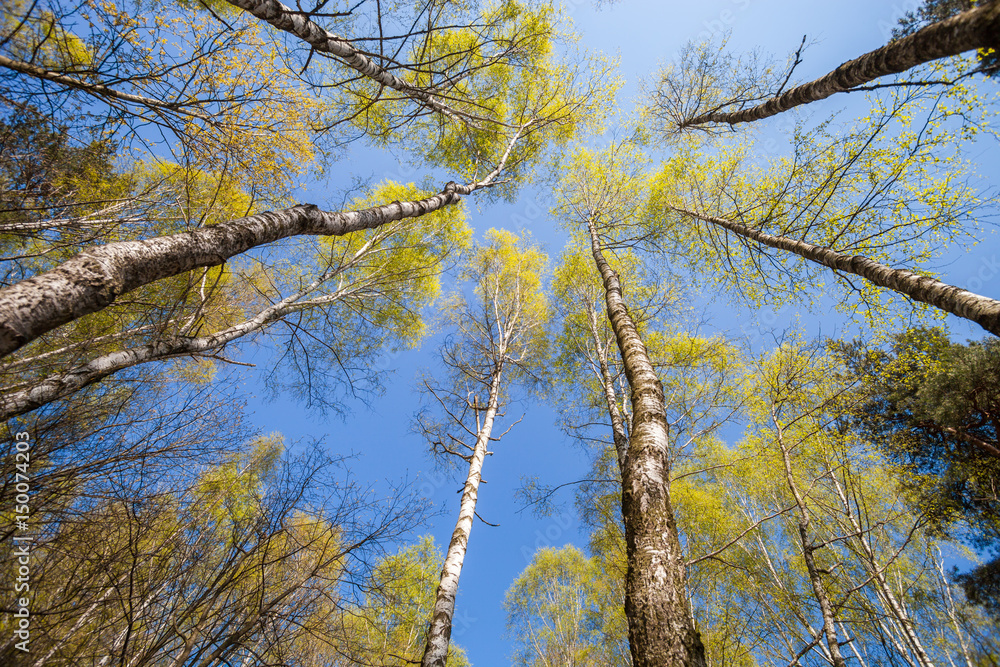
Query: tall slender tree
600	191
976	28
871	201
501	341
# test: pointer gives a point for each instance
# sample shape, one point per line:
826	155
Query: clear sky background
643	35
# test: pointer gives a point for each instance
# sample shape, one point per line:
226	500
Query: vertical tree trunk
980	309
895	610
439	633
808	554
618	432
661	630
975	29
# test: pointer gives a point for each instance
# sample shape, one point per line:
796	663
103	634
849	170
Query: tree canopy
753	400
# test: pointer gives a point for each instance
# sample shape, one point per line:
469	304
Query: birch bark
974	29
661	631
299	24
808	552
979	309
618	433
895	609
439	633
93	279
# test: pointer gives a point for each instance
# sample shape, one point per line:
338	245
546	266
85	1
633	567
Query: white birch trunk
894	608
980	309
95	278
973	29
439	633
298	23
808	551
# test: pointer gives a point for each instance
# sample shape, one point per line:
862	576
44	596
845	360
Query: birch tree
871	202
976	28
500	341
798	485
356	297
929	404
559	610
537	100
597	412
598	194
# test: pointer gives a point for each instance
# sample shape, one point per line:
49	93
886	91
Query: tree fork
976	28
979	309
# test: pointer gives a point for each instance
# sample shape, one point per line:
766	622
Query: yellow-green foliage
894	188
236	105
41	40
562	610
511	311
740	523
609	186
191	196
516	84
390	628
397	267
232	491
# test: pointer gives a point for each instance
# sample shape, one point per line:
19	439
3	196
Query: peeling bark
975	29
439	633
979	309
661	630
93	279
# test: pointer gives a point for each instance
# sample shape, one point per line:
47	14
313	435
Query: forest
694	318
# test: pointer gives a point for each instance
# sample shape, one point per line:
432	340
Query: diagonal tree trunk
93	279
439	633
661	630
974	29
63	384
955	300
299	24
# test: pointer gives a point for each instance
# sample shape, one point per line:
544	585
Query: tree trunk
93	279
955	300
808	554
661	630
439	633
618	433
975	29
299	24
63	384
895	610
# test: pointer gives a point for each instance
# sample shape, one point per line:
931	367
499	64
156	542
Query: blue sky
643	35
